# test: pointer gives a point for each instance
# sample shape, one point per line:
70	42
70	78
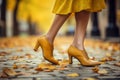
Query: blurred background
34	17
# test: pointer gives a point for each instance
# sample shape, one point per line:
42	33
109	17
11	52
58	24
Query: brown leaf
95	69
28	55
39	69
35	72
46	66
25	66
48	70
3	75
9	72
15	66
102	72
104	59
22	56
117	64
3	53
14	57
73	75
111	59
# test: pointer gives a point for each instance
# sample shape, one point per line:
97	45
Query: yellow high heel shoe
47	49
80	55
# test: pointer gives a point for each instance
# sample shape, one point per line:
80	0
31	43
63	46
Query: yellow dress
72	6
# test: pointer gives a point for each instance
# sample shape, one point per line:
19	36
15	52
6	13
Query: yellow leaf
89	79
102	72
73	75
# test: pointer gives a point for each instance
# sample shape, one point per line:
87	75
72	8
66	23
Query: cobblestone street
21	58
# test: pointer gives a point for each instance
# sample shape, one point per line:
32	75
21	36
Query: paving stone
84	72
4	79
90	75
48	78
17	78
22	78
115	74
109	77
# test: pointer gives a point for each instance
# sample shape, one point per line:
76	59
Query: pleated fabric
72	6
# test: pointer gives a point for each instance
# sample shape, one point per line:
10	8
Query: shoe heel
36	46
70	59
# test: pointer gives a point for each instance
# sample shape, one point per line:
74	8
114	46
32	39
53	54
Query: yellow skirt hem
73	6
64	13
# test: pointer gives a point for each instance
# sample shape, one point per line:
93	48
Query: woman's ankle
49	39
78	46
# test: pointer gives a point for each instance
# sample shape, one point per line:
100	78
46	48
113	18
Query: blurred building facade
32	17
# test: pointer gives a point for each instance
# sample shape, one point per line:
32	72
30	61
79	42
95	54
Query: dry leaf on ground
108	54
95	69
3	75
64	63
102	72
73	75
3	53
48	70
29	56
15	66
25	66
45	67
104	59
9	72
111	59
89	78
38	69
14	57
99	71
117	64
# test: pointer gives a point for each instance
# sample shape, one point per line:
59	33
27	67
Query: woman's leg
77	48
46	42
56	25
81	25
